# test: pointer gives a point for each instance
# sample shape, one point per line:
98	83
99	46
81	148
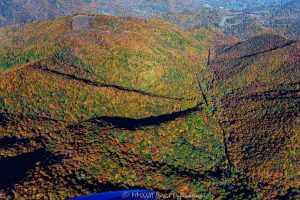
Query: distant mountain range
231	16
23	11
287	18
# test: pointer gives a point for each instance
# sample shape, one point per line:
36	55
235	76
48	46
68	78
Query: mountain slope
127	56
159	57
257	98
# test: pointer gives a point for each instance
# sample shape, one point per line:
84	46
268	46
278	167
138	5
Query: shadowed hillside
257	98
